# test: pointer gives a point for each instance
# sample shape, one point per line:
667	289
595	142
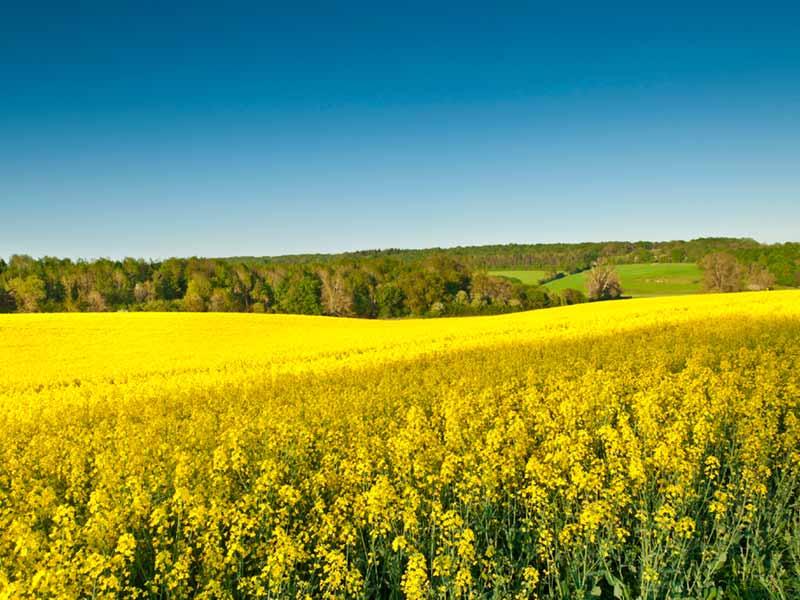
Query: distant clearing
529	277
657	279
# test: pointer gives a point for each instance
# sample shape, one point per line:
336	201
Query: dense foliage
782	259
435	286
638	449
391	283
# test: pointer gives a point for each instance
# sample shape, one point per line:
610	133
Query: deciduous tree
759	278
28	292
603	282
722	273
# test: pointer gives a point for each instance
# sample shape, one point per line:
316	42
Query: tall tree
198	293
722	273
28	292
603	282
390	300
335	295
758	278
300	294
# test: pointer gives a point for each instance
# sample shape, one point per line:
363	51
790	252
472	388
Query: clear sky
267	128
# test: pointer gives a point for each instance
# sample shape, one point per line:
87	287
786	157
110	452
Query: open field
657	279
639	448
529	277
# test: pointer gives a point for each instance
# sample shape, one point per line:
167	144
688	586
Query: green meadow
528	277
658	279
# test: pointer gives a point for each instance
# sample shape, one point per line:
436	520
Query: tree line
436	285
372	284
783	260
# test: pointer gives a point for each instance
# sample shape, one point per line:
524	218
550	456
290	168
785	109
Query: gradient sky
267	128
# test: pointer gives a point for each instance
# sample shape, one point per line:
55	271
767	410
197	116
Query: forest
370	284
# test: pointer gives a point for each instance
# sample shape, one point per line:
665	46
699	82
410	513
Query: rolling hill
640	280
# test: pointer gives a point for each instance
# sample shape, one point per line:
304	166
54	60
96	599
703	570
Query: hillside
659	279
564	256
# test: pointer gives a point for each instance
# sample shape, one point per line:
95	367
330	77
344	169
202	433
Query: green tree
389	299
28	292
421	290
300	294
198	293
677	255
487	289
362	289
21	265
453	274
263	296
169	282
570	296
242	282
532	297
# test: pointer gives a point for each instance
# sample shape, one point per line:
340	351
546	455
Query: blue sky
268	128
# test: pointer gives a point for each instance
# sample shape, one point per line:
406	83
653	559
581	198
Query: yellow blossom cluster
633	449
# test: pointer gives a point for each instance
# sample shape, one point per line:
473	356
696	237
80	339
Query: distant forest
371	283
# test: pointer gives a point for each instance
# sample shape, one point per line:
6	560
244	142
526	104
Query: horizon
389	249
263	130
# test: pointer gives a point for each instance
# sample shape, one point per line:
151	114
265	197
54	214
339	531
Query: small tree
603	282
569	296
722	273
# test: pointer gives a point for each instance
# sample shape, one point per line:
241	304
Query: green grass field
529	277
658	279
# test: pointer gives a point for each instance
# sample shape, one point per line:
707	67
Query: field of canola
631	449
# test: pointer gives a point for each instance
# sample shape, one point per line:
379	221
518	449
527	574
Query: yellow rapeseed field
630	449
